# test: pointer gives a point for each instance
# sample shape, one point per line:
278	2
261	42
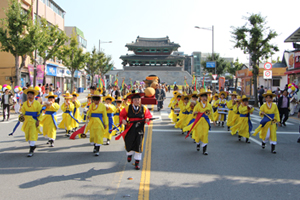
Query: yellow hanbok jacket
110	112
230	112
202	127
235	116
49	128
269	125
185	110
176	104
96	125
66	122
243	124
29	127
216	114
191	119
76	114
85	105
171	101
117	120
125	104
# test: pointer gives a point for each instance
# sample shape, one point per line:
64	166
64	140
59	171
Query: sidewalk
82	98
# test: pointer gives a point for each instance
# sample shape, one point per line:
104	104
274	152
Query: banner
31	73
40	71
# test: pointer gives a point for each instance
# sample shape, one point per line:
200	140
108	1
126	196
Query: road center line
145	177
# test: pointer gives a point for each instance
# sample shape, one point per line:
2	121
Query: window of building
139	50
166	50
153	50
276	82
158	50
147	50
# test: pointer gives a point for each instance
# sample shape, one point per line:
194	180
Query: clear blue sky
121	21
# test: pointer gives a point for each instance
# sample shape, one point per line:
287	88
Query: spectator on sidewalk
46	94
261	91
57	93
6	102
43	89
283	107
160	95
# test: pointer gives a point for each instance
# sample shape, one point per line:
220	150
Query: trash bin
79	90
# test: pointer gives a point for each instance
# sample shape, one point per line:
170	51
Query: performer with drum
221	113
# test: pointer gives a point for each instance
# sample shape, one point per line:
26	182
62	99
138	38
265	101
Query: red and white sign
268	66
214	76
267	74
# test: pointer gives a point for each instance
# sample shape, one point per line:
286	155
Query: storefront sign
67	73
297	59
31	73
60	72
77	74
289	57
267	74
40	72
51	70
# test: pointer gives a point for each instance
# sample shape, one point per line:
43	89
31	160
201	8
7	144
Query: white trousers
268	137
137	156
17	107
31	143
203	144
292	107
97	145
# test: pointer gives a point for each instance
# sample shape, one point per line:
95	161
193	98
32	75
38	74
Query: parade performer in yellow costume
98	122
267	128
175	107
184	112
220	103
48	120
125	101
76	111
67	107
201	125
86	107
215	98
191	118
173	98
110	110
117	116
230	105
236	113
244	125
31	111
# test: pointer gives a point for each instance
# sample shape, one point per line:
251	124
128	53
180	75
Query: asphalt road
171	166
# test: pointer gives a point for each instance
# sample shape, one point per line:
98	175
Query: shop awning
293	72
295	37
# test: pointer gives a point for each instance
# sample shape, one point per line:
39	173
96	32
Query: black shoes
51	143
198	147
240	138
298	140
228	128
129	158
222	124
204	150
273	149
263	145
283	124
107	142
247	140
137	167
31	150
97	150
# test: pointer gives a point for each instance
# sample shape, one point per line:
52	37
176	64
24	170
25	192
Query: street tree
232	69
254	38
105	65
73	57
52	39
221	64
93	63
18	35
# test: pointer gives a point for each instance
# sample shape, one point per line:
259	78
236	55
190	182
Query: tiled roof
152	42
150	57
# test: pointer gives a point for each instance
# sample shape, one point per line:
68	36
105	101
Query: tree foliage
236	66
73	57
221	63
254	38
18	35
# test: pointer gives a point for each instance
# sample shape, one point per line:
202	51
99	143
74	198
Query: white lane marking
255	141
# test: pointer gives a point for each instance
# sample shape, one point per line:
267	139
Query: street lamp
212	30
103	42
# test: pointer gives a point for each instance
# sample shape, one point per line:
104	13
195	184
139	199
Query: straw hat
238	98
89	96
68	95
108	97
194	94
100	90
178	94
223	92
119	99
216	95
51	94
203	91
269	93
233	93
175	92
31	89
75	94
97	94
186	96
244	97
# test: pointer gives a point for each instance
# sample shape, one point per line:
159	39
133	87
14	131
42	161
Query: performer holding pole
110	109
98	122
86	107
244	126
49	121
267	128
31	111
76	112
134	131
67	107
